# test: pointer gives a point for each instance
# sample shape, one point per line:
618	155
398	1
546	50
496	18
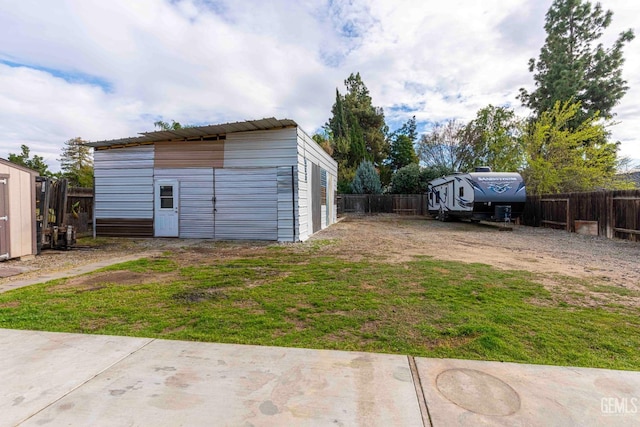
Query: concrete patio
80	380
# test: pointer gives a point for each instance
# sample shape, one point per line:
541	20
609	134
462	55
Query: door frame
158	210
5	241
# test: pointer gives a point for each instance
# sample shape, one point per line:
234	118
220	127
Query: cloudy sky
109	69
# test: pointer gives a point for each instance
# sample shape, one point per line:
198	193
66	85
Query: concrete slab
38	368
187	383
475	393
8	271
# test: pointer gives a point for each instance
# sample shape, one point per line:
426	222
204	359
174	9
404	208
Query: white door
167	213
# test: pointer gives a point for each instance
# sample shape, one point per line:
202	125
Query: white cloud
110	69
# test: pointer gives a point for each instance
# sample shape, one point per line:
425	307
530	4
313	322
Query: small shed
259	180
17	211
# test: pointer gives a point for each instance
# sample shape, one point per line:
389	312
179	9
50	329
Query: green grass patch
287	297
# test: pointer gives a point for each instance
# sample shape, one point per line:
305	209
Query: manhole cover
478	392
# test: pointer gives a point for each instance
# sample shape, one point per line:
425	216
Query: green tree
494	140
323	141
161	125
36	162
366	180
76	162
356	130
432	172
562	159
572	66
402	151
406	180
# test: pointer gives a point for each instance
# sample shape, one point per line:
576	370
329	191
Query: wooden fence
605	213
79	210
401	204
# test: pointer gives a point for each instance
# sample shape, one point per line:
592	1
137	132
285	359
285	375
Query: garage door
246	204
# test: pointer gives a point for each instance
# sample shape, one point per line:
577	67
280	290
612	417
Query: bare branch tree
444	147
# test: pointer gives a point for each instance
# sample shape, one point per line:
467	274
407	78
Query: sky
109	69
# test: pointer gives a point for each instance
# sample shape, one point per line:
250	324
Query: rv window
438	196
461	191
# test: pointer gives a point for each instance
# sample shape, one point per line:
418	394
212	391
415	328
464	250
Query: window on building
166	196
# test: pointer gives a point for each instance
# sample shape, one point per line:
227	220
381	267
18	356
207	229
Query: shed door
246	204
167	213
4	217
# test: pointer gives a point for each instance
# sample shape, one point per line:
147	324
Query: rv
480	195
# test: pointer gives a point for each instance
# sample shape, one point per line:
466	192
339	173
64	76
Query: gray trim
197	133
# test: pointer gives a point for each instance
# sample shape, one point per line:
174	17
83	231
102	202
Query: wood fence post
569	213
610	217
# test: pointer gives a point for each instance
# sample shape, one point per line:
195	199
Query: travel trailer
480	195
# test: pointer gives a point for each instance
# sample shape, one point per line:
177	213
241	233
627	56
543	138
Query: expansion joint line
422	402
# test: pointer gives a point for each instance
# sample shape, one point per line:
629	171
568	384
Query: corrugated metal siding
196	200
303	201
316	211
189	154
311	153
124	183
123	227
286	204
316	154
271	148
246	204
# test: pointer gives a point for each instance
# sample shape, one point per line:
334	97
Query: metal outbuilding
259	179
17	211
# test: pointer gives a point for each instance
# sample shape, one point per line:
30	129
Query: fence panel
401	204
611	213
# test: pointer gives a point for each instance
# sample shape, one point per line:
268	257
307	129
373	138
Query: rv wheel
441	215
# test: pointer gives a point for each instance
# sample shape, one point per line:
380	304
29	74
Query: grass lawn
282	295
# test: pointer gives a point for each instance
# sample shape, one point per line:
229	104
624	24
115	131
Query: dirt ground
538	250
605	271
548	253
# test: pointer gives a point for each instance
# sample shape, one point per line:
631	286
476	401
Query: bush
366	180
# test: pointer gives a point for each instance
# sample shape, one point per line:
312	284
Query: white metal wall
310	152
196	200
272	148
124	182
246	204
287	206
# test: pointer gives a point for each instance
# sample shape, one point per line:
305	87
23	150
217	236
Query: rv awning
197	133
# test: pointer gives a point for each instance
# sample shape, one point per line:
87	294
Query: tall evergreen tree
572	67
76	163
357	130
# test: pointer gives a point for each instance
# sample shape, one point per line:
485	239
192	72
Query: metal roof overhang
196	133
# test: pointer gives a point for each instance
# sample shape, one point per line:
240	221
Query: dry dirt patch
97	281
550	254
